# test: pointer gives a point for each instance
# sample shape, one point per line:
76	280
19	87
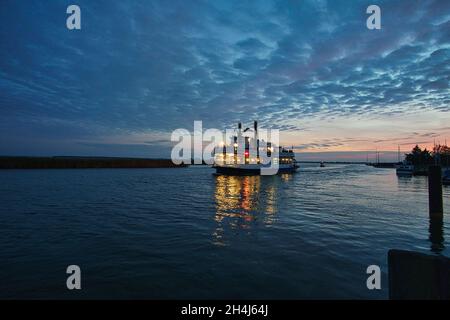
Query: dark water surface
185	233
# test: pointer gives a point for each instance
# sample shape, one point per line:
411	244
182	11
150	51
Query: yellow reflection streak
241	200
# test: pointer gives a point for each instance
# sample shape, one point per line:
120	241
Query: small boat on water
446	178
404	169
247	155
322	164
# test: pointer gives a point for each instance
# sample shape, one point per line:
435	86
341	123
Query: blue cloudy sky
139	69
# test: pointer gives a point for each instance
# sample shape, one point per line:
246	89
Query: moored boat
404	169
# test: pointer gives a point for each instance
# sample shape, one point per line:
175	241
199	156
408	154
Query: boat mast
255	125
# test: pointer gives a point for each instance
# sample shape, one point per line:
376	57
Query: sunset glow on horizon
138	70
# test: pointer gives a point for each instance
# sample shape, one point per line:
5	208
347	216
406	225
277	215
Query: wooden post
436	205
436	231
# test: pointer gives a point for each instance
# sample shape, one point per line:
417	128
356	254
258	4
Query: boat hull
405	170
240	171
404	173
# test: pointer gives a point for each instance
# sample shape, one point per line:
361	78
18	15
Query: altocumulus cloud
144	68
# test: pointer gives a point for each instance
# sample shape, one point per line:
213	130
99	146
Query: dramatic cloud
139	69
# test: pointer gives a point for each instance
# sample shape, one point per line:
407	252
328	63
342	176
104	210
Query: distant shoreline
83	163
331	162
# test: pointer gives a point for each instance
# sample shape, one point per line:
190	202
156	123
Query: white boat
251	160
405	169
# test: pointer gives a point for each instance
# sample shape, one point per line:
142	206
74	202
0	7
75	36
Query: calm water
185	233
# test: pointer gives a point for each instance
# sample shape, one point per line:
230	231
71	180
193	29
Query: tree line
440	154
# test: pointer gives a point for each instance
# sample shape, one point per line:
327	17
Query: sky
137	70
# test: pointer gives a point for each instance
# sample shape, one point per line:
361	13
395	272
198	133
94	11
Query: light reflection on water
148	233
240	201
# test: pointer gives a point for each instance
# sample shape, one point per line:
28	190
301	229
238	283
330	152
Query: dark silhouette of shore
83	163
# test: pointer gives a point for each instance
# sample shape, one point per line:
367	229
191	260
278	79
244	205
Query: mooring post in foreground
435	191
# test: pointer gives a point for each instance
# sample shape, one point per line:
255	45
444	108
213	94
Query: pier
414	275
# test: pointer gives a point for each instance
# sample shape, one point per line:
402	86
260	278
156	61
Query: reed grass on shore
82	163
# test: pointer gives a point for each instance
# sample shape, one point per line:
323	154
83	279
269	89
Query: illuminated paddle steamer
258	157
